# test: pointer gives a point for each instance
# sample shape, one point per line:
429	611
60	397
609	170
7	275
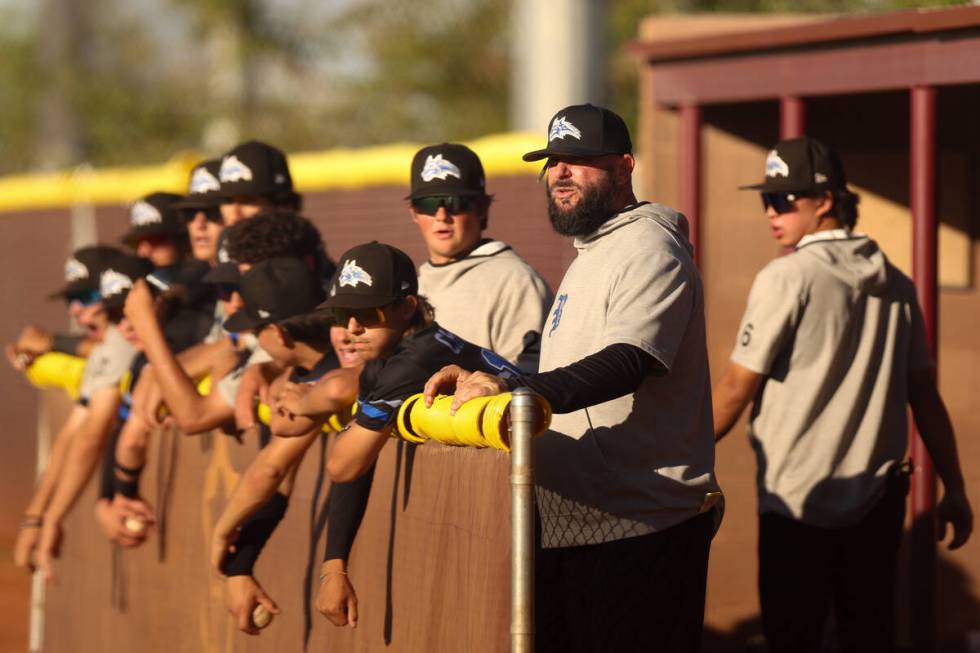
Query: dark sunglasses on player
211	214
225	290
366	317
83	297
781	202
453	204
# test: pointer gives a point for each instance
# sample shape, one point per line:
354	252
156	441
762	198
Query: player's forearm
936	430
355	452
729	398
80	462
56	461
131	446
346	505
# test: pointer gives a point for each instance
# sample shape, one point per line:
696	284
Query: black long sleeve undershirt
607	374
345	510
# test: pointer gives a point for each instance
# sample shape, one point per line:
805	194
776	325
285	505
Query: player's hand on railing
27	539
253	386
242	594
291	399
465	385
336	599
954	509
140	307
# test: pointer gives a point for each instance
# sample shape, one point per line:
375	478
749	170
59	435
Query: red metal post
792	117
922	201
689	160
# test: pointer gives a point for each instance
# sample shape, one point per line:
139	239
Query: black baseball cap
116	280
254	168
801	165
203	189
447	169
370	275
273	291
585	130
83	268
155	214
226	268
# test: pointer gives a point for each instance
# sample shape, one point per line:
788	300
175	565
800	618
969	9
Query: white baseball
134	524
261	616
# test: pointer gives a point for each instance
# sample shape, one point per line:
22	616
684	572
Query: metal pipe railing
524	413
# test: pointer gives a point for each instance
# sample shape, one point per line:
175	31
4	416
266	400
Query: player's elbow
265	474
343	470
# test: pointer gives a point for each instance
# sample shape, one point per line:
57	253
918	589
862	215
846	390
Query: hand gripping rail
507	421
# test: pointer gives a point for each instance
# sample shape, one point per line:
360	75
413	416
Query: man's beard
593	209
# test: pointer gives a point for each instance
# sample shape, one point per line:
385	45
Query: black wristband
255	532
345	510
66	344
128	487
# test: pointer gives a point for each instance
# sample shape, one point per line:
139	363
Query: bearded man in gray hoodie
832	348
626	492
481	289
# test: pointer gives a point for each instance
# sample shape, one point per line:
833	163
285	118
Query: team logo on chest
437	167
561	128
353	274
556	315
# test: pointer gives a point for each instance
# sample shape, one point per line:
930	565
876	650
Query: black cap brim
435	193
547	152
240	321
222	273
192	202
780	186
71	289
356	301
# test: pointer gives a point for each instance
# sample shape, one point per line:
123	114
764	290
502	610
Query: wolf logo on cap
437	167
353	274
561	128
775	166
75	270
232	170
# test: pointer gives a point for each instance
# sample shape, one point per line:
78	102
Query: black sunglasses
366	317
453	204
211	214
83	297
781	202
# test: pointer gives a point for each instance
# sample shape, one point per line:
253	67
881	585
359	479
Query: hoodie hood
853	258
443	275
669	219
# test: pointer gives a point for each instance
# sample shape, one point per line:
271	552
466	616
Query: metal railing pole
523	409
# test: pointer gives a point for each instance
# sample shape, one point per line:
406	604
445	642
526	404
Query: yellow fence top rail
338	169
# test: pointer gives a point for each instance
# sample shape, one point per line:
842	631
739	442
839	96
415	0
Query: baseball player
481	289
156	229
832	349
626	489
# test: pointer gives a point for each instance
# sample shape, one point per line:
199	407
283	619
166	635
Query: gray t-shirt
491	298
252	354
644	462
107	363
835	329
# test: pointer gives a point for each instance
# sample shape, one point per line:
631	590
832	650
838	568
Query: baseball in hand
261	616
134	524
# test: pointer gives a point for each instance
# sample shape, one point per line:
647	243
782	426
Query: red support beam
689	161
792	117
922	201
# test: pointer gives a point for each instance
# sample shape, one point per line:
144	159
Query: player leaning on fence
833	349
626	488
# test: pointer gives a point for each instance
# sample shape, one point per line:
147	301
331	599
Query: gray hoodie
834	328
491	298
